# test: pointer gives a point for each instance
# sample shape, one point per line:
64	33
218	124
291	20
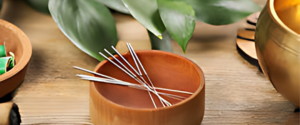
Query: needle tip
101	53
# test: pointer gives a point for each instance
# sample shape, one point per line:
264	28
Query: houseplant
91	27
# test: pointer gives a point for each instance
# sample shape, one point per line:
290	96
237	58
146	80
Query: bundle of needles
139	74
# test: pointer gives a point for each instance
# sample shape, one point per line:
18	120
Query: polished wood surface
247	46
236	92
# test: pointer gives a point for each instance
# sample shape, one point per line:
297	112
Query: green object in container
2	51
4	62
12	61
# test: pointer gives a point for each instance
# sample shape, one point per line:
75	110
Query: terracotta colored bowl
18	43
121	105
277	41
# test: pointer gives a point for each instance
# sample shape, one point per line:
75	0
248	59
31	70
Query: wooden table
236	92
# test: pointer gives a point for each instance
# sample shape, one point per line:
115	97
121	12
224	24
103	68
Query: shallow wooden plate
245	40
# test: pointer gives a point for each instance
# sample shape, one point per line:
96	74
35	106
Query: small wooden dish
121	105
17	42
245	44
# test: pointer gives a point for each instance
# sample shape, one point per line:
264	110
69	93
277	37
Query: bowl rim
27	51
196	93
274	16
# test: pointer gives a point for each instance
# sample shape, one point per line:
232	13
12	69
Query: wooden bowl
121	105
18	43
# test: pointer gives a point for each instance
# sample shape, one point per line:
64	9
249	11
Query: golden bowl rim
196	93
277	20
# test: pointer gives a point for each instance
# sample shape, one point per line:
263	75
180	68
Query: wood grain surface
236	92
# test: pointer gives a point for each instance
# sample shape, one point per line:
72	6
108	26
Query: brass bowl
277	42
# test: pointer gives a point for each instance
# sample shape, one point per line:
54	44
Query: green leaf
2	50
116	5
146	12
39	5
179	20
161	44
221	12
4	62
87	23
